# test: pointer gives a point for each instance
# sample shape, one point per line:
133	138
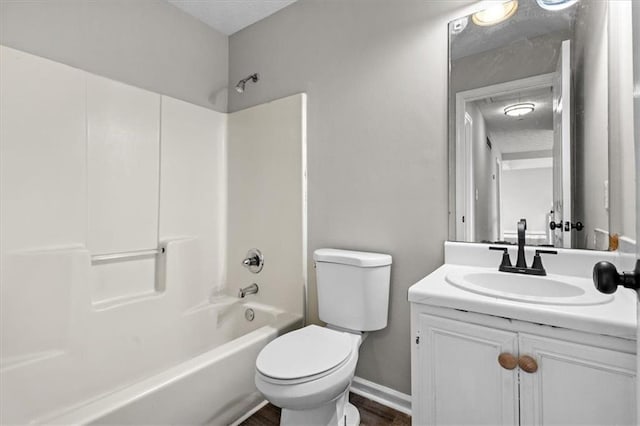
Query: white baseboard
249	413
368	389
382	395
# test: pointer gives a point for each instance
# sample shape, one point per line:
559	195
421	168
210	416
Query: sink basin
547	290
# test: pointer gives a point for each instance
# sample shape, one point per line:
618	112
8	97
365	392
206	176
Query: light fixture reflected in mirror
556	4
519	109
495	14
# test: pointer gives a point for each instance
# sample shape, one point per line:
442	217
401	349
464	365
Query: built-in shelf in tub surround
127	276
176	263
123	279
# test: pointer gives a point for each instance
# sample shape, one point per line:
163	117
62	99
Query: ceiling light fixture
495	14
519	109
556	4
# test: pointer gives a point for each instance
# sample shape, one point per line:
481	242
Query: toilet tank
353	288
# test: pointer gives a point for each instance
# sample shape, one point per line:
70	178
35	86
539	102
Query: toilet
308	372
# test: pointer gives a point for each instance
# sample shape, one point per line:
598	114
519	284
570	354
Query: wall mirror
529	126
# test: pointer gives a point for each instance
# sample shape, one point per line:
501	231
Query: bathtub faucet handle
253	261
252	289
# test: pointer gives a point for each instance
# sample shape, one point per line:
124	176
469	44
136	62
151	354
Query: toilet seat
303	355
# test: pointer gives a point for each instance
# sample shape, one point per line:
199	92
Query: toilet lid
305	352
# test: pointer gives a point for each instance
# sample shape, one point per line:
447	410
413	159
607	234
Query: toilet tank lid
347	257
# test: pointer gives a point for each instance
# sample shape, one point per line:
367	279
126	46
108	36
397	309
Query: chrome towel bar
111	257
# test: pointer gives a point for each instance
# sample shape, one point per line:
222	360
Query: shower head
240	86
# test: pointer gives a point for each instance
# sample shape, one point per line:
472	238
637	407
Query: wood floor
371	414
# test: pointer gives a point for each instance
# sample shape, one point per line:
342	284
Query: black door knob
607	279
578	226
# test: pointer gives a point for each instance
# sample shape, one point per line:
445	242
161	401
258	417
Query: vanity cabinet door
459	378
576	384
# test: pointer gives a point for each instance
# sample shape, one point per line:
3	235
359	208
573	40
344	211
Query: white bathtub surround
267	200
123	151
190	392
190	160
113	216
86	350
43	167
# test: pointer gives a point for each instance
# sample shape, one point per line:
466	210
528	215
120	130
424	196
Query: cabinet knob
528	364
507	361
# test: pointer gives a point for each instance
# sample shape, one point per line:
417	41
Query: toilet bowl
308	372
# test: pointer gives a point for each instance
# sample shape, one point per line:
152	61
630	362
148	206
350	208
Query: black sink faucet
521	262
536	266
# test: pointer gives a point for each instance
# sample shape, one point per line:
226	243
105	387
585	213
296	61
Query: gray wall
622	218
527	193
590	60
376	77
484	167
147	43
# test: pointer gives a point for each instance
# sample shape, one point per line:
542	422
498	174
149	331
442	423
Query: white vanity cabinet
574	377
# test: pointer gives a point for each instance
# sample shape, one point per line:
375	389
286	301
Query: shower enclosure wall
124	218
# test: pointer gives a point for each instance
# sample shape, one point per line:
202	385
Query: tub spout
252	289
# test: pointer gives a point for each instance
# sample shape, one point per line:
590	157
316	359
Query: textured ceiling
524	141
229	16
531	132
492	109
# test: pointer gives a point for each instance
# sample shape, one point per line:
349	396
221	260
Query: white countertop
616	318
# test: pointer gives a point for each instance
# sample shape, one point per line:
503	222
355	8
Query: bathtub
215	388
